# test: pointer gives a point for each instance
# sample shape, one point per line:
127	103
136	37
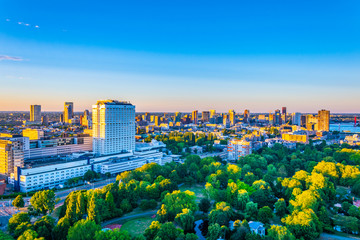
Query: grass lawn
197	189
137	226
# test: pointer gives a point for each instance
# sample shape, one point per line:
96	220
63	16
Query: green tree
168	231
16	220
280	207
83	230
115	234
71	208
265	214
303	224
43	201
109	199
60	231
44	226
204	205
30	235
242	199
251	209
18	202
214	232
90	175
20	229
4	236
221	214
80	205
191	236
354	211
152	230
186	220
280	233
176	201
93	211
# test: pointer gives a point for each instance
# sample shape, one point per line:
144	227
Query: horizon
166	56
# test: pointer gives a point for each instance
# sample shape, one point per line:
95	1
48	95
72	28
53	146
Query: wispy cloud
10	58
23	23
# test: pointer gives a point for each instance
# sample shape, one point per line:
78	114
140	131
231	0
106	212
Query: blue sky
181	55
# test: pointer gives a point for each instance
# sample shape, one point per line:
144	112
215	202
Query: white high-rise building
113	127
296	118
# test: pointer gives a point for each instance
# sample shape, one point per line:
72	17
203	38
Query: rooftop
112	102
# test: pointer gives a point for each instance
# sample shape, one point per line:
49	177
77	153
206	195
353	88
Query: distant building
113	127
43	148
232	117
205	116
271	118
212	113
45	120
226	121
85	120
324	120
277	120
301	138
296	118
238	148
194	116
156	120
312	123
35	113
68	111
33	134
177	117
283	110
246	115
303	121
11	154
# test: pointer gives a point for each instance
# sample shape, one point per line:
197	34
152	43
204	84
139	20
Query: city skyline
241	55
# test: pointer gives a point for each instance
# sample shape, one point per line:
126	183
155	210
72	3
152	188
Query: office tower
11	154
68	111
113	127
156	120
296	118
303	121
283	110
246	115
177	117
86	119
311	123
147	117
323	120
232	117
277	117
271	118
35	113
194	116
205	115
45	120
212	113
225	119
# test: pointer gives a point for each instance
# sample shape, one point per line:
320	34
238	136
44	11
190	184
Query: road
143	214
220	154
326	236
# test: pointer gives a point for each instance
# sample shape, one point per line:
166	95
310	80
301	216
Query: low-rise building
292	137
238	148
